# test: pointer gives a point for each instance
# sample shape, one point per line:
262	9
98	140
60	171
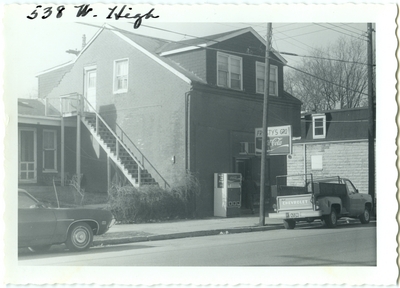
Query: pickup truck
327	199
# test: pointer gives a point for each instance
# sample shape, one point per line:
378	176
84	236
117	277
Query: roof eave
223	38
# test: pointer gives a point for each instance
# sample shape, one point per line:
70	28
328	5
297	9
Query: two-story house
333	143
153	109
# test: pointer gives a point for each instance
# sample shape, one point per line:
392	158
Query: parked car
40	226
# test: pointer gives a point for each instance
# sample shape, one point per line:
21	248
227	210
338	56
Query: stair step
126	157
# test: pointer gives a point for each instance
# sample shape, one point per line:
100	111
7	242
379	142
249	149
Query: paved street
308	245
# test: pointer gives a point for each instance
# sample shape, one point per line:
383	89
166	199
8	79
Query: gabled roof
156	48
150	46
209	40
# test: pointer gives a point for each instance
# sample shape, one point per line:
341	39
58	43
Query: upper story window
229	71
49	150
273	78
121	68
319	126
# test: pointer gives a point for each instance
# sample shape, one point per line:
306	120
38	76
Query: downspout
188	97
187	130
305	160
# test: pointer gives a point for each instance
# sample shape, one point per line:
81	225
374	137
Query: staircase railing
124	136
79	106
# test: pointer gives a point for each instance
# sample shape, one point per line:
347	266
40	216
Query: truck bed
329	189
283	190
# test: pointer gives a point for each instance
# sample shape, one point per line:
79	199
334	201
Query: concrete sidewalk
129	233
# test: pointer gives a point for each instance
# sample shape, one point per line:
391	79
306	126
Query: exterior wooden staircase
115	148
118	146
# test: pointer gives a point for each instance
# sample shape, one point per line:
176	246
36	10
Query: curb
135	239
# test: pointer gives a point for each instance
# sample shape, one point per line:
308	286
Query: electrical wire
327	81
341	32
358	34
352	27
323	58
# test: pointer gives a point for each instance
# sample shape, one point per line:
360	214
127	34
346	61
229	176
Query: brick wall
346	159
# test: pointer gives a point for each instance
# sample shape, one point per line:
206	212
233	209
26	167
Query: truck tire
331	219
366	216
289	224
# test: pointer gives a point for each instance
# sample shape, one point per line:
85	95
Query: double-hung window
229	71
49	150
121	68
260	78
319	126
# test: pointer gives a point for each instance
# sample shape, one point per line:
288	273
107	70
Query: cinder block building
333	143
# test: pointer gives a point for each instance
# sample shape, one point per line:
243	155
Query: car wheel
366	216
38	249
80	237
289	224
331	219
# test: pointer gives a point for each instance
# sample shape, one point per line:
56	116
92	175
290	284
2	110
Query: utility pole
265	127
371	117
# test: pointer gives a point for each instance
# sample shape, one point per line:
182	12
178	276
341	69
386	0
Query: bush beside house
151	203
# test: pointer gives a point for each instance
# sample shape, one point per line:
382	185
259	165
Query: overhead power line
322	58
327	81
358	34
352	27
359	37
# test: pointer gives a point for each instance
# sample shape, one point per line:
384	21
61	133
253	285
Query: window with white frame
121	68
273	78
229	71
49	150
319	126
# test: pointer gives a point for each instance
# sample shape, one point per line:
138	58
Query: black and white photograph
148	144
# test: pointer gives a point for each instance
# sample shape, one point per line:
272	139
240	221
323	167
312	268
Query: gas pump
227	194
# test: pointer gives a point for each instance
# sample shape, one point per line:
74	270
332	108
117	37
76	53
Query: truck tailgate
295	202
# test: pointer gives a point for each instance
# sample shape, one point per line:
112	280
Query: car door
355	199
36	223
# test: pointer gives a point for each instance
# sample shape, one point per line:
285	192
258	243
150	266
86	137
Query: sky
32	46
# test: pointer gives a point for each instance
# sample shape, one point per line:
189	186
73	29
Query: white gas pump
227	194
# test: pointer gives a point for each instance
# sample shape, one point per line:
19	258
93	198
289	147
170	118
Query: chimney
83	41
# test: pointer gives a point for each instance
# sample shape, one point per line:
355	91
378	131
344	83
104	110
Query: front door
27	155
90	89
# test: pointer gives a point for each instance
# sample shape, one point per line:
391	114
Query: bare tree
334	77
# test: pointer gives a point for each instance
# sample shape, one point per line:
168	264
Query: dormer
233	61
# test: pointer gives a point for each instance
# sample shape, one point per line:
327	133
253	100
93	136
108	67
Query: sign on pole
279	140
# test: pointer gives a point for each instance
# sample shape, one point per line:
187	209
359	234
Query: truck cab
327	199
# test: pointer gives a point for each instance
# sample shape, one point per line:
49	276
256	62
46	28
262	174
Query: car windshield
24	201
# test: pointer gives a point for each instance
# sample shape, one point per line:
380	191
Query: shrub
152	203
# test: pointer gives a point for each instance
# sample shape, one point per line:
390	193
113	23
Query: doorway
27	155
243	166
90	89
